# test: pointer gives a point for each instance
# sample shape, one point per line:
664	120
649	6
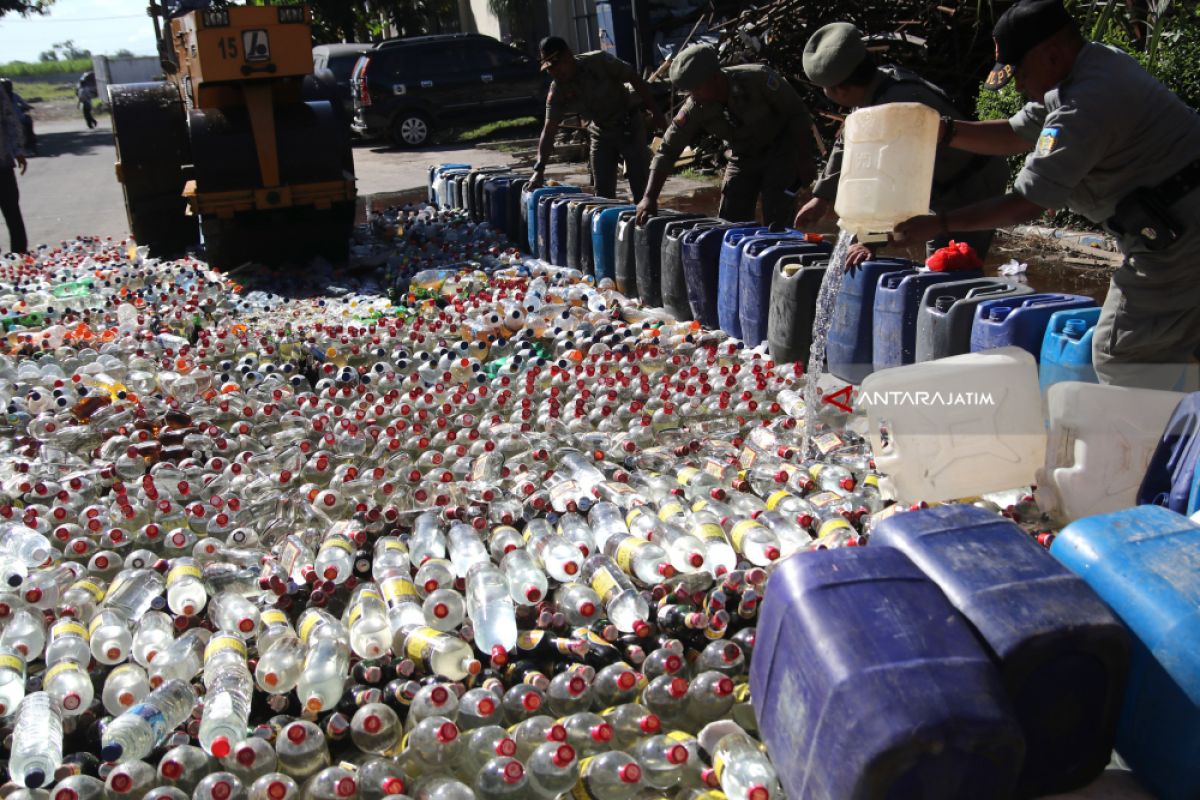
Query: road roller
241	144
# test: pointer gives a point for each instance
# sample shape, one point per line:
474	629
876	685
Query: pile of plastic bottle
464	527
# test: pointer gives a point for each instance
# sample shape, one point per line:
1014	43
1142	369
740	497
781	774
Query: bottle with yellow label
68	641
624	604
662	760
326	667
110	639
12	680
644	560
438	653
608	776
744	770
186	594
366	617
755	542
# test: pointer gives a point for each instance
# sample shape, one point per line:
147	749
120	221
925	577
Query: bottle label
687	475
95	624
273	616
718	768
90	587
58	669
529	640
13	663
714	468
683	737
153	717
355	615
393	544
560	493
776	498
419	644
871	480
603	583
815	471
739	531
627	550
823	499
68	627
831	525
632	515
396	590
670	510
307	625
747	457
182	571
223	642
709	532
340	542
580	790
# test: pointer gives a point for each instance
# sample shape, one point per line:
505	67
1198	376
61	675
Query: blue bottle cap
111	752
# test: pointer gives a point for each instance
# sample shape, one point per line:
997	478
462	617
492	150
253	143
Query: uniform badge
772	81
1046	141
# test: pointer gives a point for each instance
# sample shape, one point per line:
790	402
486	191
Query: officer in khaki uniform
1110	142
836	59
596	86
763	123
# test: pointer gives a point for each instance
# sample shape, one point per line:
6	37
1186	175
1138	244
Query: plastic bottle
139	730
611	776
37	746
625	606
228	691
743	770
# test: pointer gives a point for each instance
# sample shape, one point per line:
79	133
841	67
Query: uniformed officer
764	125
836	59
596	86
1110	142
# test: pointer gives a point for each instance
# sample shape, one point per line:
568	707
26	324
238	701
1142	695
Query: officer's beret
832	54
694	66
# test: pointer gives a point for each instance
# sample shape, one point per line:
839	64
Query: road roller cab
242	142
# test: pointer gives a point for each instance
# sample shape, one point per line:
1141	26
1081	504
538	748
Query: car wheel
411	129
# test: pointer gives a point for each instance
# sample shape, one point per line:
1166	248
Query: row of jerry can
954	657
761	285
890	313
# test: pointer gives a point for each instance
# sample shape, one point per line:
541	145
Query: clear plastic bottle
526	581
375	728
439	653
366	617
12	680
301	750
626	607
640	559
326	666
68	641
182	659
219	786
490	609
445	610
608	776
230	611
274	786
130	779
70	685
139	730
434	740
110	638
155	632
552	768
229	689
251	758
37	745
186	594
500	778
183	766
744	770
125	686
280	666
332	783
662	760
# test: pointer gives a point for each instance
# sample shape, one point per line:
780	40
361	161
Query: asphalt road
70	188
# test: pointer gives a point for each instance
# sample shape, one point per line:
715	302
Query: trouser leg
779	207
637	157
10	207
1138	343
739	194
604	155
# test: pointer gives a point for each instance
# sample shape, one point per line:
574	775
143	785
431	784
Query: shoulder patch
1046	141
772	81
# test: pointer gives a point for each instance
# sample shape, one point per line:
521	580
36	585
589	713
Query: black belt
1179	185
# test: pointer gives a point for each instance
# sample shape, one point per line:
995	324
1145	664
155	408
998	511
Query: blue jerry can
604	234
948	311
1062	655
867	684
897	308
701	268
1143	562
559	217
531	207
727	277
1020	321
851	340
1067	348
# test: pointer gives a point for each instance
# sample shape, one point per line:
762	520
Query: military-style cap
694	67
832	54
1020	29
550	49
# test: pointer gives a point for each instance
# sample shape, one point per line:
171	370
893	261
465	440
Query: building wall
477	18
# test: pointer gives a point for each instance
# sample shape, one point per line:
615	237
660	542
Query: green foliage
24	7
25	69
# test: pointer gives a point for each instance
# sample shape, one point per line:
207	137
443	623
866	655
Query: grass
26	69
41	91
696	175
491	129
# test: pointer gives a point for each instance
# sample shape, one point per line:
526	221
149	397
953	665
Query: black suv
405	88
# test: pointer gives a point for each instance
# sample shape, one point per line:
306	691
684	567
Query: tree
69	51
24	7
123	53
47	55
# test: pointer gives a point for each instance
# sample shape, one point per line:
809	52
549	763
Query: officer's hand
645	210
857	254
811	212
536	181
660	122
22	163
918	229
